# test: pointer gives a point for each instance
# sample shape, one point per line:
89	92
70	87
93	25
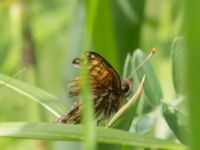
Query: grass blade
193	71
50	102
46	131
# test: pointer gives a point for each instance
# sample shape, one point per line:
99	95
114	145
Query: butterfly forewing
102	73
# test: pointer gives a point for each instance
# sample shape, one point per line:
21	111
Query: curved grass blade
46	131
50	102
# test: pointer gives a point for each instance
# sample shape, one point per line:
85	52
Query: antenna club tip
154	50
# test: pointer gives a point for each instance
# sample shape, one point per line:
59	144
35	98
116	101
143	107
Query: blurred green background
45	36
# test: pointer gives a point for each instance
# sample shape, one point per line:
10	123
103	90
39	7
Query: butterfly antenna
13	77
143	62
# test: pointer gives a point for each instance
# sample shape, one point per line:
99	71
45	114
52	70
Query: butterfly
107	89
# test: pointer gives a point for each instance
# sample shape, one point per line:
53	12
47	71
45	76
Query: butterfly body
106	86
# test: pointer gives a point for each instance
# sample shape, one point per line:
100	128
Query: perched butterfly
106	86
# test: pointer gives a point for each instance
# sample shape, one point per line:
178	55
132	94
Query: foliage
44	36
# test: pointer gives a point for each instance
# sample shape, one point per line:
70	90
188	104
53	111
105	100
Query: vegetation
39	39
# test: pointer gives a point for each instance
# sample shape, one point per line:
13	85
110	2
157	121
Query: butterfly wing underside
105	87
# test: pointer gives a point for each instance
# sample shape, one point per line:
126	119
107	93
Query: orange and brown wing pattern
105	87
103	77
102	74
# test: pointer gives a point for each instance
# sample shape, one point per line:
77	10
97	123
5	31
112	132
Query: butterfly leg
108	114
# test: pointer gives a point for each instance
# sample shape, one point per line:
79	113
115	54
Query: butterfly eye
125	87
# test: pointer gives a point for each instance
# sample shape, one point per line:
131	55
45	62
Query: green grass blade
46	131
193	71
50	102
87	111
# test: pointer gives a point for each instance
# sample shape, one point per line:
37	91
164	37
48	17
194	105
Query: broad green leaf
46	131
152	86
178	65
50	102
177	122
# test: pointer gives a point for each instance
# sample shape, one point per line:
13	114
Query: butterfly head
126	86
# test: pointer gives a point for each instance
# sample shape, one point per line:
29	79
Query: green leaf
46	131
144	124
50	102
178	65
152	86
177	122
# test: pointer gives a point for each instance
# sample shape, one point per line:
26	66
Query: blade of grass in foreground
88	112
193	70
46	131
50	102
